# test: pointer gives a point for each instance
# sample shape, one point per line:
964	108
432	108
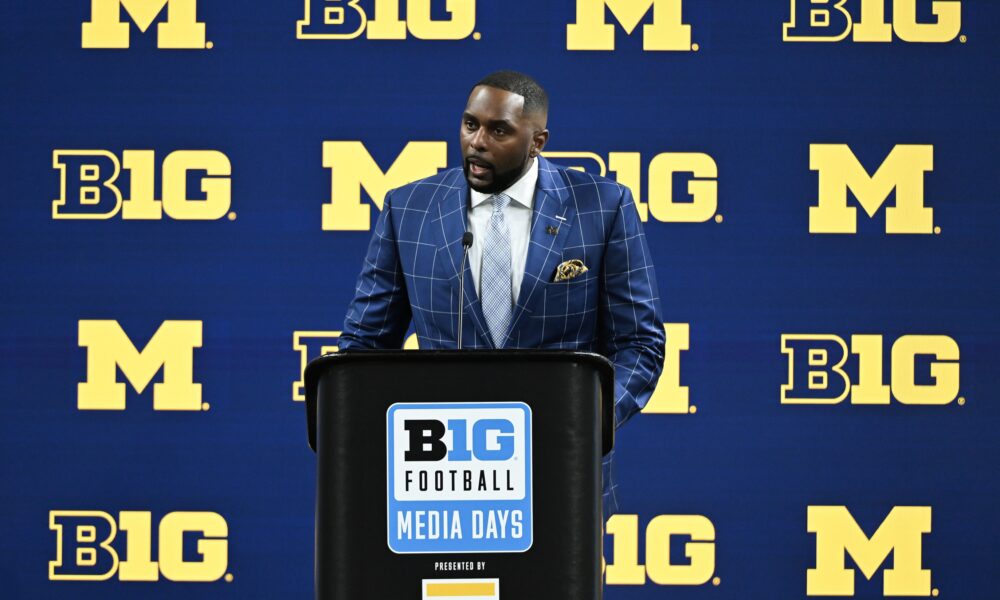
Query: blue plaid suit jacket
414	259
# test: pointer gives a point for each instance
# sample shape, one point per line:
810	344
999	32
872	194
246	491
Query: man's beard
501	181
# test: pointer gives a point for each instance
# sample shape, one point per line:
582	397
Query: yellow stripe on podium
462	589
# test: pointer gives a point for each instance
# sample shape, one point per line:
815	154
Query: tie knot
500	202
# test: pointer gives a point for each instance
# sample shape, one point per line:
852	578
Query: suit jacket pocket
572	297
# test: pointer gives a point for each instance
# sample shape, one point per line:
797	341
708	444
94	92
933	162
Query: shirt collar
521	191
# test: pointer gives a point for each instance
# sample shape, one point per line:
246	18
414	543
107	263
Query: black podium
459	474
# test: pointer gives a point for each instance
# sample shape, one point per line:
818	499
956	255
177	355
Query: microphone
466	244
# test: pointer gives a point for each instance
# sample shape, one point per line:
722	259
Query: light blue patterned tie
496	283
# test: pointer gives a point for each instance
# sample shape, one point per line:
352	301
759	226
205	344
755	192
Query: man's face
498	140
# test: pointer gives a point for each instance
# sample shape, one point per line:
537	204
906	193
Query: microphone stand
466	243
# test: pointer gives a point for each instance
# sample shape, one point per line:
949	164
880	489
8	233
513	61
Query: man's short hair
535	98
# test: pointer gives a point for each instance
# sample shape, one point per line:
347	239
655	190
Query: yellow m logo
837	534
353	167
109	348
592	31
839	170
181	29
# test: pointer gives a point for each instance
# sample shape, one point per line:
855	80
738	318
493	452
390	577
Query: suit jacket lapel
551	211
452	209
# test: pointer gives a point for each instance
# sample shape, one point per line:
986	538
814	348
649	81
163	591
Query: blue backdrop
759	143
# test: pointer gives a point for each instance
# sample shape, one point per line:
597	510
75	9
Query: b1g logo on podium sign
459	477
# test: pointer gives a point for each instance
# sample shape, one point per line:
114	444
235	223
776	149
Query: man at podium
556	258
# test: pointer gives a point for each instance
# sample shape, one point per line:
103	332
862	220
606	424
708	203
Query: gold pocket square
570	269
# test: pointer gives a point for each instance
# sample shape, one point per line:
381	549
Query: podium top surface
321	365
603	366
595	360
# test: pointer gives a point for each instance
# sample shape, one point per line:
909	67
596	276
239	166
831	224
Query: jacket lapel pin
549	229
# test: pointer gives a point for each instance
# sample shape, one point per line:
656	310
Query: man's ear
539	139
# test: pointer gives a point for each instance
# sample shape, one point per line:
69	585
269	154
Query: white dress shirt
518	218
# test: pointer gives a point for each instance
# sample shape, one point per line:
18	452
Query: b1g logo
924	368
695	202
459	477
181	30
831	21
88	190
353	169
903	170
347	19
838	534
310	345
315	343
591	31
699	551
109	350
670	397
90	546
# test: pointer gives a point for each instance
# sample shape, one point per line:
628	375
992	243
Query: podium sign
459	477
458	474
